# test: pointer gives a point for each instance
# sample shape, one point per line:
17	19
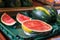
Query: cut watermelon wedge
21	18
36	25
7	20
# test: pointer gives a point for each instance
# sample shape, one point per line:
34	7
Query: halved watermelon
38	26
21	18
7	20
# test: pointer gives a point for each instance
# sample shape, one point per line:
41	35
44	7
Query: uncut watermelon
7	20
58	19
47	14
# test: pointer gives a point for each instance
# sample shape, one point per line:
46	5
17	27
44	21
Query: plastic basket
18	34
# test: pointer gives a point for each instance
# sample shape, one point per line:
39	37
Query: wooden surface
57	37
2	37
25	8
19	9
16	9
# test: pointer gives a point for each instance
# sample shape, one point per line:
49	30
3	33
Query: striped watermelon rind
53	12
58	19
45	13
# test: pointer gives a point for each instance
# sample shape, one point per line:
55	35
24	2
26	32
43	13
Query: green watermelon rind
47	18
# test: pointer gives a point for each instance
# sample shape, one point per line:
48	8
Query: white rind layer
9	24
19	20
39	30
29	34
35	20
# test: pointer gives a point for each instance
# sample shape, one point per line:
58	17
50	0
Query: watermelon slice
7	20
39	26
21	18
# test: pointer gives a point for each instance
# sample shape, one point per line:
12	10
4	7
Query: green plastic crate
18	34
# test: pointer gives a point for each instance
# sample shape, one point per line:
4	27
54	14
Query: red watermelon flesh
21	18
7	20
37	25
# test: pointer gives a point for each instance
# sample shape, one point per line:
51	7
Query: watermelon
7	20
35	26
21	18
26	3
53	12
2	4
47	14
58	19
32	27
